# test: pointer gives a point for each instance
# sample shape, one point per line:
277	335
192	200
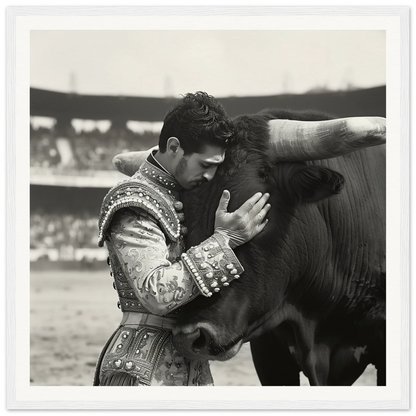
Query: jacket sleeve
162	285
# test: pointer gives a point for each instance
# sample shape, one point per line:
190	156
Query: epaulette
132	193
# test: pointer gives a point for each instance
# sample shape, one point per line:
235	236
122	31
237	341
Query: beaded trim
161	177
133	193
212	265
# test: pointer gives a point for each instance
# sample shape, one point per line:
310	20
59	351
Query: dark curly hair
196	121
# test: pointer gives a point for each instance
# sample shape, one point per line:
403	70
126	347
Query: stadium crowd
43	150
57	230
84	150
62	149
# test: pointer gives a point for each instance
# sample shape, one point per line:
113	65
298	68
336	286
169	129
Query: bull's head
215	327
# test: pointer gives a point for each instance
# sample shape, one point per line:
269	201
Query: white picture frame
397	19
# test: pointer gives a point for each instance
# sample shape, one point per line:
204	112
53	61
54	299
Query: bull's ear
313	183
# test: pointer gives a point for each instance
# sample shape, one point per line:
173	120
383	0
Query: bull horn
130	162
292	140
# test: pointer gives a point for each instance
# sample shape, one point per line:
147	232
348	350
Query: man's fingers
259	206
262	214
250	203
261	226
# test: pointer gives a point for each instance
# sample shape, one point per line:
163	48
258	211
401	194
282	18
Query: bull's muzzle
203	341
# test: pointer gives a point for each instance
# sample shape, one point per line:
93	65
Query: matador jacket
141	224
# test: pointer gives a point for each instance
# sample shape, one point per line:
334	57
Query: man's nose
209	175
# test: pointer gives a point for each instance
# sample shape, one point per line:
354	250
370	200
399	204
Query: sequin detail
147	357
139	191
212	264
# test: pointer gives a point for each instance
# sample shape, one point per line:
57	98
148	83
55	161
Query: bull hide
312	297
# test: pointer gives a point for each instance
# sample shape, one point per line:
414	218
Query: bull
312	297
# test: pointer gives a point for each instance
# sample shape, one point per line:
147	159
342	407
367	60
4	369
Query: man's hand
243	224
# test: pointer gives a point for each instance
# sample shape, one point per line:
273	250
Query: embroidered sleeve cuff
212	264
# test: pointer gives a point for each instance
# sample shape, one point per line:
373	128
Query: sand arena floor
73	313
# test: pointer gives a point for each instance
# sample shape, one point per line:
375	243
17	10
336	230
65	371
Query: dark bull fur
312	297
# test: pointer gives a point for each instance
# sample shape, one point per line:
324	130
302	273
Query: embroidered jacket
142	224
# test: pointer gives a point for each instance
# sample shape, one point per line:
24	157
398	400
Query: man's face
197	168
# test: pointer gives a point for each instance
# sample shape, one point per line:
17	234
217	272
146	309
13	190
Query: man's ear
173	146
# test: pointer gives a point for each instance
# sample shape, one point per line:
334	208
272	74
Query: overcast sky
223	63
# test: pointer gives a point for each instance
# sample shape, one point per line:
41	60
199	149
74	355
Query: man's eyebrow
212	162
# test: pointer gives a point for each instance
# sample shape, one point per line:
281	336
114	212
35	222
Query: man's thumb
225	199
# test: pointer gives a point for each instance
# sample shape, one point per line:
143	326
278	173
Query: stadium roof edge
62	105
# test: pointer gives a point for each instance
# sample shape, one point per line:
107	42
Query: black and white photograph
208	198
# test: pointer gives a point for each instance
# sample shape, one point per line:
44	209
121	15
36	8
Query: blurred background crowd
80	153
64	216
84	150
61	229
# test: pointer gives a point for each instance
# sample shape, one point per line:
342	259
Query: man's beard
181	166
